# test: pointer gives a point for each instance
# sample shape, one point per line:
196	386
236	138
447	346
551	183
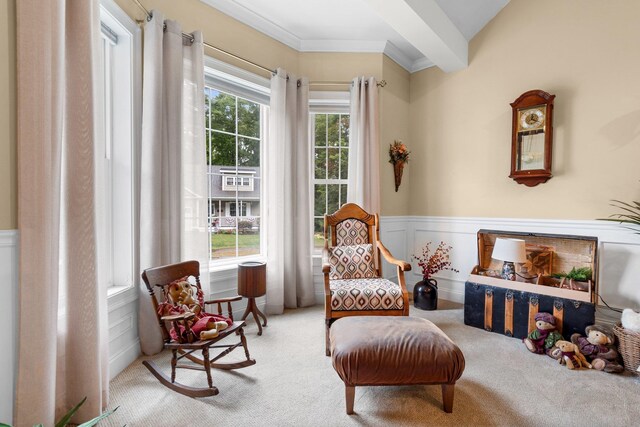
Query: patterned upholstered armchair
353	283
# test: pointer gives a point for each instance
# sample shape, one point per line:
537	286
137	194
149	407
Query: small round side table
252	283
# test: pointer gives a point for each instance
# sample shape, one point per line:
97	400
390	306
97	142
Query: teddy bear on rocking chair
198	324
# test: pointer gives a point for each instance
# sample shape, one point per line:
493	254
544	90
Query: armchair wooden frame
156	280
353	211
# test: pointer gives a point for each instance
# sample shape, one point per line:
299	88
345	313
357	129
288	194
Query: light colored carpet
294	384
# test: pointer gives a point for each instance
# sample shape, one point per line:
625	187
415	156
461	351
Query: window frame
325	102
117	221
254	88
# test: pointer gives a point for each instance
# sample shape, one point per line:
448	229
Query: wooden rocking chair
157	280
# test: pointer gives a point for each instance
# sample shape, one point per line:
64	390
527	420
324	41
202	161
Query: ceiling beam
423	24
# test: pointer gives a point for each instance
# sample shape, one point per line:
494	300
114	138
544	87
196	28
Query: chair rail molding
618	251
9	322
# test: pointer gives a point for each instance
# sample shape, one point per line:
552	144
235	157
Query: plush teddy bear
180	300
570	355
544	337
598	348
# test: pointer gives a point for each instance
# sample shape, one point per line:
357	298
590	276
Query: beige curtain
364	145
288	200
62	355
173	182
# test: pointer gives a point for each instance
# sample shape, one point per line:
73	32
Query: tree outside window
331	155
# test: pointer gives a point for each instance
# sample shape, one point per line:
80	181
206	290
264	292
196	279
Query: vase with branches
425	292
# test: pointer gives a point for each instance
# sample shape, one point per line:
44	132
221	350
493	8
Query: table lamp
510	251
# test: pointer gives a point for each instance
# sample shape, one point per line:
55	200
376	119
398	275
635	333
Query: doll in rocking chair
179	299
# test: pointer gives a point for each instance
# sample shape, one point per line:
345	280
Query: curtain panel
63	343
173	170
288	196
364	145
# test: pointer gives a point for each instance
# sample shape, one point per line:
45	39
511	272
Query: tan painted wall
8	187
589	59
394	124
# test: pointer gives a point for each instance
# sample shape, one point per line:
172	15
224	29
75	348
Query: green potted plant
630	214
577	279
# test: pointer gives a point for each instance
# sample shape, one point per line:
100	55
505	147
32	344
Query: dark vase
425	294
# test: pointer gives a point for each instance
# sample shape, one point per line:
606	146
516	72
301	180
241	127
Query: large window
331	154
119	112
234	132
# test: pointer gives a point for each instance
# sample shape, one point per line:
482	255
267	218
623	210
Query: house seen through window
233	134
330	134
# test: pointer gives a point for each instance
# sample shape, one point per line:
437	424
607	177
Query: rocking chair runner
157	280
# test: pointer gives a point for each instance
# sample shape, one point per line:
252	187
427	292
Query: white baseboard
123	358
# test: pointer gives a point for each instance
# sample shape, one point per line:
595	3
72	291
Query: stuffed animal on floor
179	299
598	348
571	356
630	320
544	337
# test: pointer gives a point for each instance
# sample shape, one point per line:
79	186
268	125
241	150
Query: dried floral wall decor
398	156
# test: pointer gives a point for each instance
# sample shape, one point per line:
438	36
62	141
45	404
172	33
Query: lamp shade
512	250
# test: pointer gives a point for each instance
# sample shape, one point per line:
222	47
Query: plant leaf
95	421
64	420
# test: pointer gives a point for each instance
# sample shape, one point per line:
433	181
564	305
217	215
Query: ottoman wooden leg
350	394
447	397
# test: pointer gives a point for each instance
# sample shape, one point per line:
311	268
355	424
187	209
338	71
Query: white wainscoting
124	341
8	321
618	252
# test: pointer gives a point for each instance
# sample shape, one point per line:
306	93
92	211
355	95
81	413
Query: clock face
531	118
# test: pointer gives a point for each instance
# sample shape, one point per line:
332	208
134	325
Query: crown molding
257	22
393	52
421	64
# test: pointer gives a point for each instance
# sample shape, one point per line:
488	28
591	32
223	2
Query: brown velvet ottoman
394	350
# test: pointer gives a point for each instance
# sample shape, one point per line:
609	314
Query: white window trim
253	87
128	31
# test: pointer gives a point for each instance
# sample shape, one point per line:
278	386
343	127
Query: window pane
248	152
321	130
321	163
248	118
333	171
344	130
318	232
248	234
343	194
222	149
333	130
333	203
320	199
223	112
223	241
344	163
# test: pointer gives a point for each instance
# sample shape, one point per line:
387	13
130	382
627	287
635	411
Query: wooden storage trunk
509	307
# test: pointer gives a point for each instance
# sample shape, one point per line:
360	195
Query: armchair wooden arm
220	301
326	266
181	320
403	265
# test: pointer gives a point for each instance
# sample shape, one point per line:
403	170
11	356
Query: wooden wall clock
532	138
